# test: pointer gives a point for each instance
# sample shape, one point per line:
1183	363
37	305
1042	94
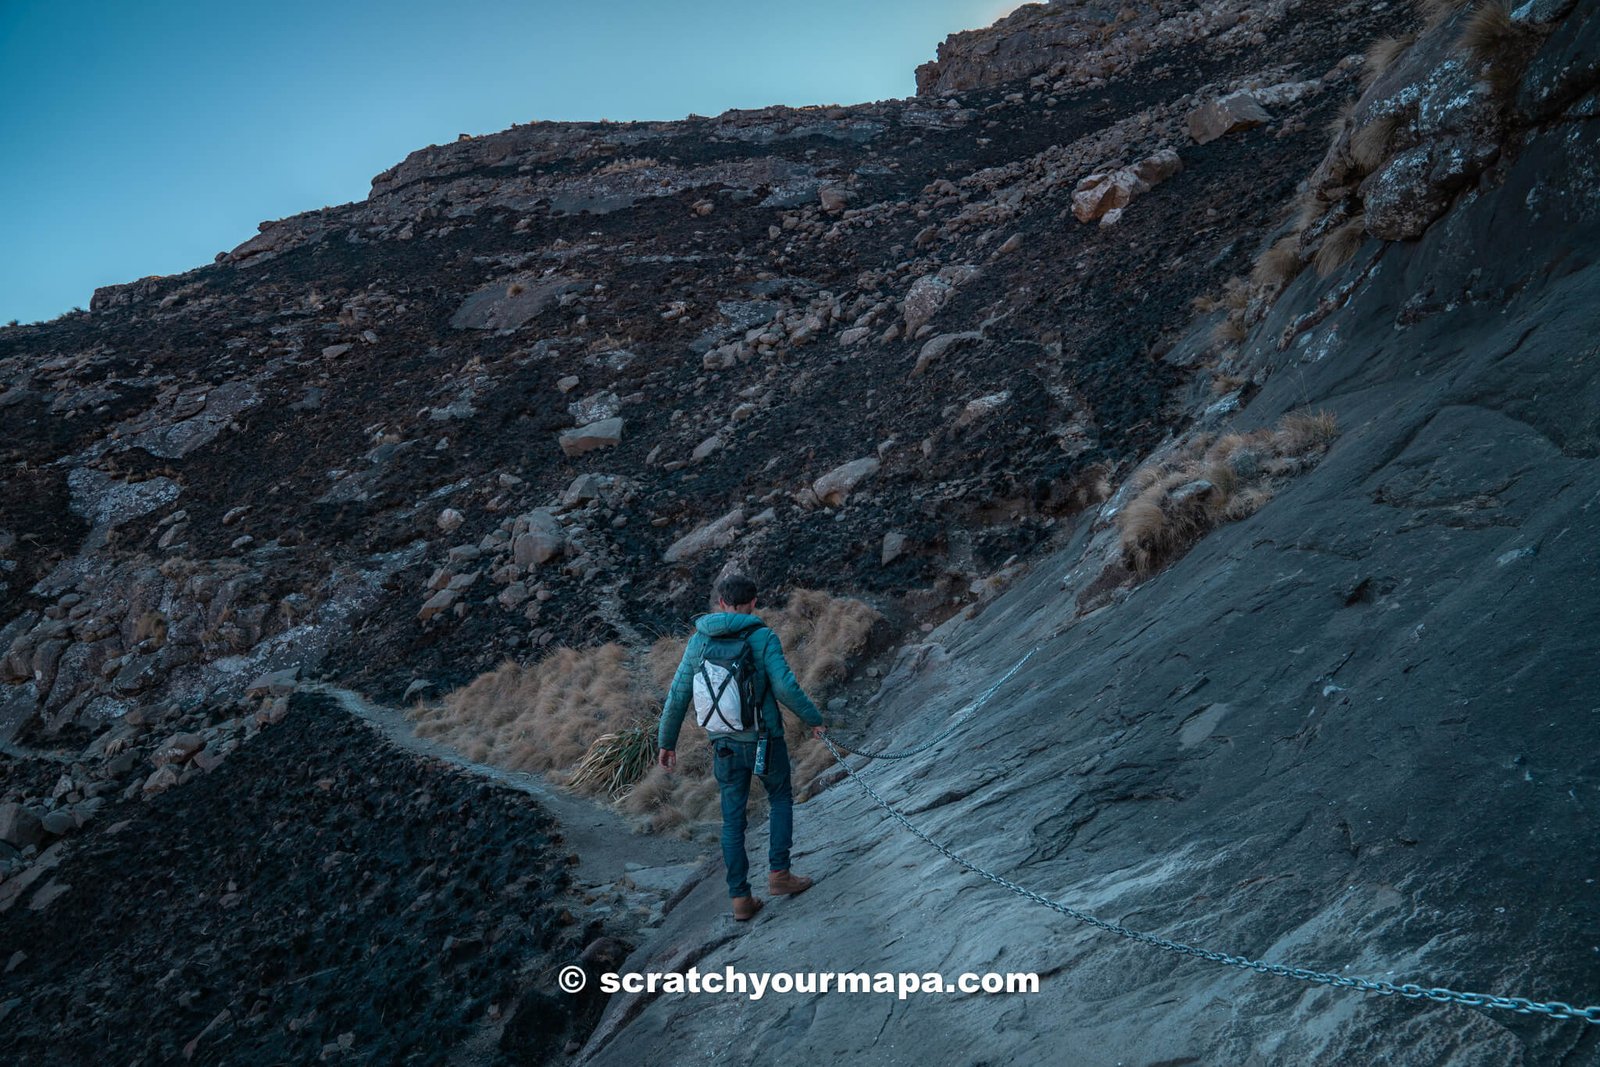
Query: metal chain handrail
1554	1009
960	717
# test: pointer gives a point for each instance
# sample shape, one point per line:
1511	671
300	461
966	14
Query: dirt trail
603	840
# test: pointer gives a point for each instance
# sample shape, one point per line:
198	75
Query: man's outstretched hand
668	758
818	731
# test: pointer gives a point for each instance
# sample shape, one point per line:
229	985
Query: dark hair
736	589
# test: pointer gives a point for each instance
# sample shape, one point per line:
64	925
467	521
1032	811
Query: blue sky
145	136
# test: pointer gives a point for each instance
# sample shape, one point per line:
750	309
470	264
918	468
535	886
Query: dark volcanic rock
320	886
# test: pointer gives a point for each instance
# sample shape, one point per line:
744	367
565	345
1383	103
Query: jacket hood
723	623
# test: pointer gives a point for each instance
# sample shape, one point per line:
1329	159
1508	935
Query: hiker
735	674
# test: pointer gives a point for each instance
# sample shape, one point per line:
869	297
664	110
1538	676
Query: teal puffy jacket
781	683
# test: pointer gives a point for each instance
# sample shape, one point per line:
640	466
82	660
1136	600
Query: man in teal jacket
734	754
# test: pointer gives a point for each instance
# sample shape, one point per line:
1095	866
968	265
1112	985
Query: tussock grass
152	624
1370	144
616	761
1502	44
1307	209
540	717
622	166
587	717
1230	331
1236	293
1382	55
1303	432
1434	12
1280	264
1340	246
1489	30
1212	481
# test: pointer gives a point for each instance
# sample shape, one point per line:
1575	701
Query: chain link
960	719
1554	1009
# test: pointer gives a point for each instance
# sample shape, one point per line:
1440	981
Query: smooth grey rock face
1337	734
512	303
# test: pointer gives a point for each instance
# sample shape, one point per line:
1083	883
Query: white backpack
725	696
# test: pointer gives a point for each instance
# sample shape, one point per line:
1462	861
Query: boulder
275	683
20	827
1157	167
596	407
833	198
539	539
717	534
581	490
923	300
1224	115
1103	192
179	748
59	823
834	487
603	434
443	600
161	780
894	546
938	345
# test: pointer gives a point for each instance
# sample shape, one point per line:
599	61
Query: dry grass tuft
1223	384
1307	209
820	635
1236	293
1489	30
152	624
1382	55
1340	246
1342	122
616	761
1498	41
1211	482
587	717
1434	12
1230	331
1370	144
622	166
541	717
1280	264
1301	432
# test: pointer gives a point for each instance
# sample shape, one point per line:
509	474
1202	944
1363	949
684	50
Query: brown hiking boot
745	908
782	883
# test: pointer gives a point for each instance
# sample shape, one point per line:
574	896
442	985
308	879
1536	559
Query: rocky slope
541	386
553	378
1353	732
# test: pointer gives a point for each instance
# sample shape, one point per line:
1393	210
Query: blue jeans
733	762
